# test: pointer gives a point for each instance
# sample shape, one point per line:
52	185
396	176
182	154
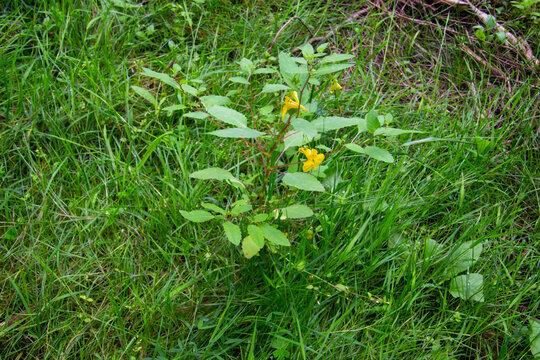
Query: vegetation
432	253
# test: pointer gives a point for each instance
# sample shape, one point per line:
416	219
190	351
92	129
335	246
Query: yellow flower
314	159
335	86
291	104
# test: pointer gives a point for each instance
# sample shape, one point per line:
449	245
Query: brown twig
283	28
492	68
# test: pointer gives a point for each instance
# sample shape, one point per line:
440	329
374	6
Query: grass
97	261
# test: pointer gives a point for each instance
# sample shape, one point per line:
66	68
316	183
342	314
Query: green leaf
196	115
307	50
190	90
328	69
212	174
336	58
145	94
240	208
260	217
431	249
296	212
239	80
275	236
246	66
250	247
305	126
296	138
270	88
197	216
172	108
388	131
468	287
288	69
379	154
237	133
265	71
233	233
213	100
462	258
372	122
330	123
228	115
214	207
303	181
257	235
372	151
534	338
164	78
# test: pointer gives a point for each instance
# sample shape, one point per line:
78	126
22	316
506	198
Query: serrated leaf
228	115
388	131
249	247
212	173
145	94
197	216
233	233
239	80
213	100
164	78
257	235
196	115
240	209
274	235
260	217
237	133
468	287
330	123
246	66
296	212
270	88
214	207
303	181
335	58
372	122
328	69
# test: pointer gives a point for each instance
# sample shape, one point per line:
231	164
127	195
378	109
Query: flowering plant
308	113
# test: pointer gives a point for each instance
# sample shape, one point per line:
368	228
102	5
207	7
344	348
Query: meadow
431	253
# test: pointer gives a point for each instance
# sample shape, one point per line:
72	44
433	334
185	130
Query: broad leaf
468	287
296	212
237	133
296	138
270	88
214	207
336	58
274	236
288	69
265	71
463	257
328	69
213	100
228	115
240	209
372	151
534	338
197	216
372	122
145	94
303	181
334	123
212	174
305	126
233	233
239	80
196	115
164	78
257	235
250	247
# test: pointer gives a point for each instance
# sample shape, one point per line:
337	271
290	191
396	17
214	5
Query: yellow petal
308	165
294	94
318	159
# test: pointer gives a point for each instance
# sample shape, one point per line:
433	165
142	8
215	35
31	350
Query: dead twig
521	44
478	58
